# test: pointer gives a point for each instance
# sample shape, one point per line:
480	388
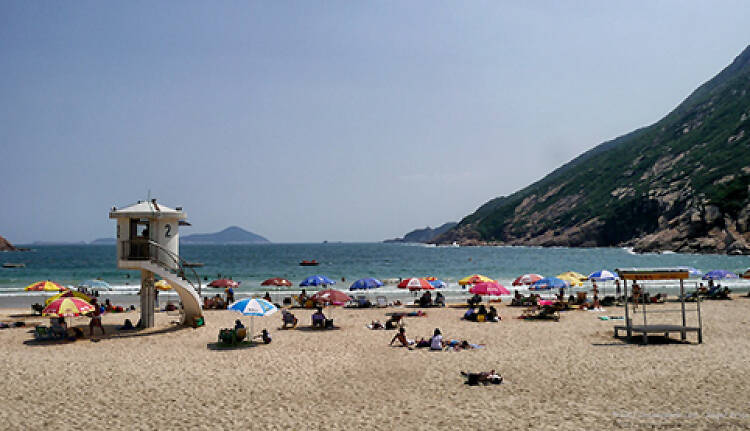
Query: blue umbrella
95	285
317	280
366	283
602	275
548	283
719	274
253	307
694	272
437	284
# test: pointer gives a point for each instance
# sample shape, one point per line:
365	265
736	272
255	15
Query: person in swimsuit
96	318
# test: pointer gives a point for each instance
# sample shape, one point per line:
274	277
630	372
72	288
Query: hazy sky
336	120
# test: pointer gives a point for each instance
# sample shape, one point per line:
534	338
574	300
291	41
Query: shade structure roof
149	209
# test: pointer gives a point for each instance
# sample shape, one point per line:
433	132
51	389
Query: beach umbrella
44	286
694	272
719	274
489	288
366	283
67	307
224	283
415	284
527	279
430	278
437	284
253	307
162	285
602	275
331	296
548	283
276	281
746	274
473	279
572	278
67	293
317	280
95	285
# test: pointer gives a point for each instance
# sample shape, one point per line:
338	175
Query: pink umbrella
416	284
527	279
331	296
490	288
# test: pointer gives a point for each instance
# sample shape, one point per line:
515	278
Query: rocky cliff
681	184
424	235
5	245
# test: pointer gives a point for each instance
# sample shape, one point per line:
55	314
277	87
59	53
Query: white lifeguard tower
148	240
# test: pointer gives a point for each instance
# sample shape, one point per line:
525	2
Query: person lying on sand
375	324
401	337
457	346
485	378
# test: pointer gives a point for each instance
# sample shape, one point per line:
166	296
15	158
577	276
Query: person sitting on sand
318	318
436	342
482	312
302	298
288	319
219	303
426	299
492	315
238	324
265	336
58	327
470	314
401	337
439	299
267	297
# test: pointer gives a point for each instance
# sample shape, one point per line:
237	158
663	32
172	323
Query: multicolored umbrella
548	283
95	285
719	274
276	281
437	284
473	279
67	307
527	279
430	278
572	278
331	296
415	284
366	283
317	280
163	285
253	307
602	275
67	293
44	286
490	288
224	283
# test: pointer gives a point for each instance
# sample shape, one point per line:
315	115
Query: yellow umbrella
68	293
162	285
572	278
44	286
474	279
67	307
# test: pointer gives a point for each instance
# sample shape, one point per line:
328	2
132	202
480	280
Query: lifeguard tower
148	240
661	326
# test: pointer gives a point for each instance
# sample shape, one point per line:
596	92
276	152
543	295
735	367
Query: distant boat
309	263
14	265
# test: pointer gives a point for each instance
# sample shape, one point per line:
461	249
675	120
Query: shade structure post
683	334
147	299
627	313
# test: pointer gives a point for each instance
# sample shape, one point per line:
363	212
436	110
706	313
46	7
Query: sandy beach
570	374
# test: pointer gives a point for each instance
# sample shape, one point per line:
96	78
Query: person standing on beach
96	318
230	295
636	294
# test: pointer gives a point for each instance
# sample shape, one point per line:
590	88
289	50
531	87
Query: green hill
680	184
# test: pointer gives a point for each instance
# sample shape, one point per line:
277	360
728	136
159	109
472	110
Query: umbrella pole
252	320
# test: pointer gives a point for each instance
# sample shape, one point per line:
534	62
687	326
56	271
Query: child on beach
401	337
265	336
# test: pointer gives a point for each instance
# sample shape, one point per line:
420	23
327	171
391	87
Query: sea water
345	263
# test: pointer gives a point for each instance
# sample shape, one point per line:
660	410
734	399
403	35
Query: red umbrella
416	284
224	282
67	306
331	296
527	279
276	281
491	288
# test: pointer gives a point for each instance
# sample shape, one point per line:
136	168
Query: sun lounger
381	301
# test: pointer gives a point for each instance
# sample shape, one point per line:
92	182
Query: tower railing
177	261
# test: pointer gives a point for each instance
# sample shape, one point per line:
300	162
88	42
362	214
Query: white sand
566	375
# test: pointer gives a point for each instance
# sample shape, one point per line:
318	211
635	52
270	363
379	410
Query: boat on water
14	265
312	262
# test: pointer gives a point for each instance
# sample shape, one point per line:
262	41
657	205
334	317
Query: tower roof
148	209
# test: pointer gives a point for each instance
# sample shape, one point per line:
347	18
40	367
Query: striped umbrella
95	285
548	283
44	286
253	307
473	279
602	275
527	279
489	288
66	294
438	284
415	284
67	307
572	278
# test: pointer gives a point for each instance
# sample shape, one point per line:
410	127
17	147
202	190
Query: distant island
5	245
104	241
423	235
230	235
681	184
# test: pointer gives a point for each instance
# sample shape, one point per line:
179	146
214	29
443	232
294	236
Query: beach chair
37	308
381	301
